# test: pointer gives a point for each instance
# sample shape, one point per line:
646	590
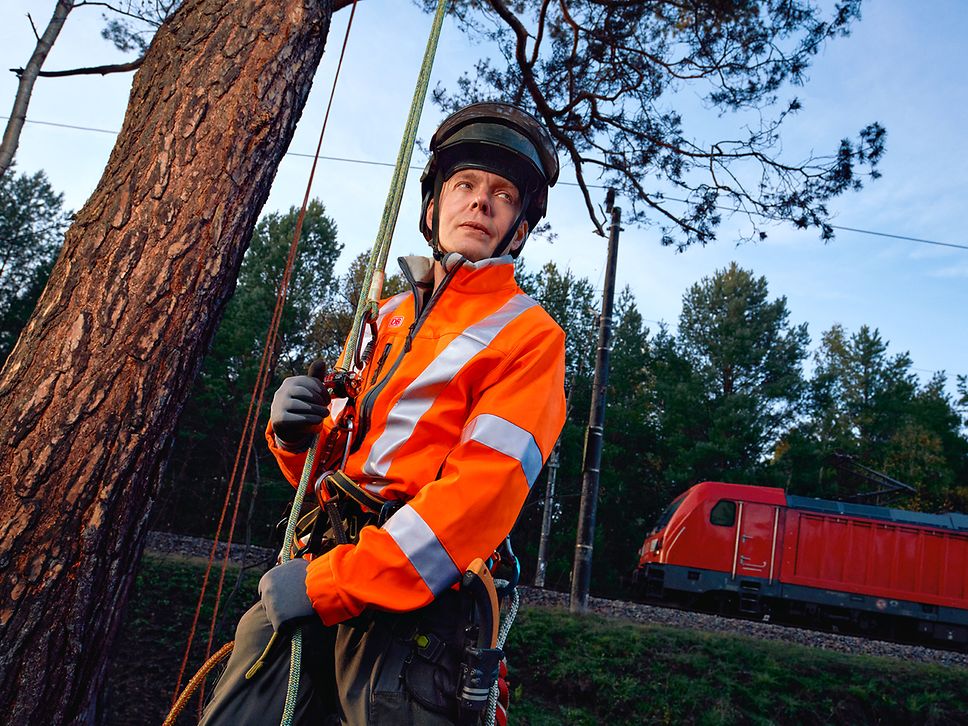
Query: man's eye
506	196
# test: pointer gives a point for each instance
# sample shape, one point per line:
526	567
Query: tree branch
94	70
33	27
541	103
119	11
542	16
11	136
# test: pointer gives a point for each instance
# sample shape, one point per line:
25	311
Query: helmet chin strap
434	234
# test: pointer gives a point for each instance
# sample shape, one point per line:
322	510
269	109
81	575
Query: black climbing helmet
499	138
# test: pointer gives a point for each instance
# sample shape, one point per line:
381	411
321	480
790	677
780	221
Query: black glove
283	593
298	407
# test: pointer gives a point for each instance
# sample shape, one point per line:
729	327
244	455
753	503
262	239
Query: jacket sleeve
424	548
291	462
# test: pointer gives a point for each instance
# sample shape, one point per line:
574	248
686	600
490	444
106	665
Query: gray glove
298	407
283	593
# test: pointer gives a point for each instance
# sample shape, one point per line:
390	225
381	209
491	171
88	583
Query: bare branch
94	70
119	11
11	136
542	16
542	105
33	27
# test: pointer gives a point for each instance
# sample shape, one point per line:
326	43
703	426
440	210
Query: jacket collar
485	276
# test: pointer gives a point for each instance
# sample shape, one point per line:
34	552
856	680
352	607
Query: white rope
502	636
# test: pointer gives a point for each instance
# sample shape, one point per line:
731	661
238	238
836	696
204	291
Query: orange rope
179	705
266	365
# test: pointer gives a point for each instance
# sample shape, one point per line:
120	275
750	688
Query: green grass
595	670
149	650
590	670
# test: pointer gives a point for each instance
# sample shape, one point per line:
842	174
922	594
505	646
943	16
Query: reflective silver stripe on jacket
508	438
421	546
420	395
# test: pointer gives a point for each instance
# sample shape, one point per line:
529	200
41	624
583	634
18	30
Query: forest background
740	392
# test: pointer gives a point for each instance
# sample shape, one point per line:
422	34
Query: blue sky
902	66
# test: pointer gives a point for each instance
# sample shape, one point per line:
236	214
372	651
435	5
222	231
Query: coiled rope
196	681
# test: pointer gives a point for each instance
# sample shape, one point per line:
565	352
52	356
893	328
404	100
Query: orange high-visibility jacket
463	400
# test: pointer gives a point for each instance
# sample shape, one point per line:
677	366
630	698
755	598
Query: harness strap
338	483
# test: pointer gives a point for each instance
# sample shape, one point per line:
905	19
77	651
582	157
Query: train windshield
669	511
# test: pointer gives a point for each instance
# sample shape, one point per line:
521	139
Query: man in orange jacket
460	406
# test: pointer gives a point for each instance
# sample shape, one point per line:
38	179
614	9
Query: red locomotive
759	552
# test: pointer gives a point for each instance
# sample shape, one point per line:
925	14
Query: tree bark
90	395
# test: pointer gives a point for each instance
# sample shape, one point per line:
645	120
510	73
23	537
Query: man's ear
429	217
519	237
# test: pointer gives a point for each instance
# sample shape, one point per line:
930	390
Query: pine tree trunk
91	393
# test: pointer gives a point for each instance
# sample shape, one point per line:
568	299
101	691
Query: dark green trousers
361	672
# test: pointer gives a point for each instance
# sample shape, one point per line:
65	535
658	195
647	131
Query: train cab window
667	514
724	513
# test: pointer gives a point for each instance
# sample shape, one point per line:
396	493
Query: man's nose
480	201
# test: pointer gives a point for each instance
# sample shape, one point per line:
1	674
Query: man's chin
473	251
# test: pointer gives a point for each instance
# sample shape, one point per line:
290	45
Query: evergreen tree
868	404
90	397
32	225
632	490
858	391
745	357
572	302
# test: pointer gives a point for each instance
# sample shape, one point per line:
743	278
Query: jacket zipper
380	362
369	398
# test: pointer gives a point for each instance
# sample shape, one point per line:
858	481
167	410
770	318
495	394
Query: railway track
642	613
180	545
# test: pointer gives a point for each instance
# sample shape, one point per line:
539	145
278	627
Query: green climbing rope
372	285
373	279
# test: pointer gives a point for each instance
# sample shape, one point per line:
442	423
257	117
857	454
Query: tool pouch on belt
444	679
478	672
431	674
448	671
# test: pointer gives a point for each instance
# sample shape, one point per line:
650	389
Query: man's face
476	210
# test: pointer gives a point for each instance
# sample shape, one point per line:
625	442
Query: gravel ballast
193	547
